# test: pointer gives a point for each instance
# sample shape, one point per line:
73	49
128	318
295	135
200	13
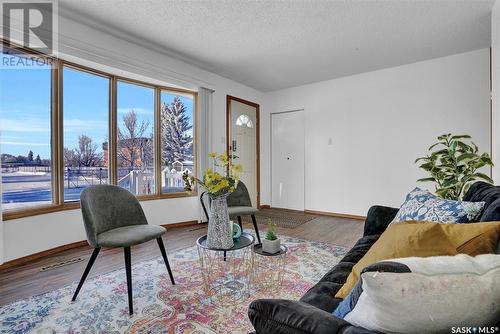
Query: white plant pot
271	246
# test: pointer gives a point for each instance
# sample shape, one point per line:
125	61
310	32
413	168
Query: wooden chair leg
239	222
165	259
256	228
86	272
128	270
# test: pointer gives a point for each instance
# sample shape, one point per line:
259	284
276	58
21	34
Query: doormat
283	218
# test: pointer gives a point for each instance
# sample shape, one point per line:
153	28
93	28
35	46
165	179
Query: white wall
88	46
380	122
495	90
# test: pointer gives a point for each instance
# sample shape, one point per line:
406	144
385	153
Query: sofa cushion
484	243
272	316
402	240
491	212
322	294
488	193
482	192
360	248
427	239
421	205
402	295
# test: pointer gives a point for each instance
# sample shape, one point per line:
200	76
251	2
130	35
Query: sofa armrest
275	316
378	218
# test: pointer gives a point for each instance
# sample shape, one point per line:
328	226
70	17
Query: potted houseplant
453	164
271	244
219	181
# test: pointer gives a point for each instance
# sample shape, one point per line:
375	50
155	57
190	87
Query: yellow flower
224	159
212	155
237	169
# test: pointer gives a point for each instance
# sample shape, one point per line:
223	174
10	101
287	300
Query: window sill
41	210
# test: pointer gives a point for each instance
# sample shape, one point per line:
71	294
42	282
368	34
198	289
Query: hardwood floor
27	280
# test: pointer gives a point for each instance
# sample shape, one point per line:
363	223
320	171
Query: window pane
135	142
25	135
177	149
85	127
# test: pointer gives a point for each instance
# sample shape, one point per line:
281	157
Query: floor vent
61	264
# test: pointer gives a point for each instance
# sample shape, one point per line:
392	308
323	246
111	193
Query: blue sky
25	111
25	108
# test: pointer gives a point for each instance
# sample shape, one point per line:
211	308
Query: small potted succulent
271	244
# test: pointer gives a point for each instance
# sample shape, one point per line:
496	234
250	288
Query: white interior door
287	160
243	144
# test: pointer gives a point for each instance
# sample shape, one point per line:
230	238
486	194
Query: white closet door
287	189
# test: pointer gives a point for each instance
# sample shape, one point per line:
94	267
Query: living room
301	165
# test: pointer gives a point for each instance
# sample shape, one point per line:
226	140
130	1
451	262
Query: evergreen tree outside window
176	139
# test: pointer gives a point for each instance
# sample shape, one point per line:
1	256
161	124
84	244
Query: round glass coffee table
226	273
268	269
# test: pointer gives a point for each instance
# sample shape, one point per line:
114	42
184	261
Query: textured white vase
219	234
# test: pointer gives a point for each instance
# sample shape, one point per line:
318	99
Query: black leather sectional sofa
313	313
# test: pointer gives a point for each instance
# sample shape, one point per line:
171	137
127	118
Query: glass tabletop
243	241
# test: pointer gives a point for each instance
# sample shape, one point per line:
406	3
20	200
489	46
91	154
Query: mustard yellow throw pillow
422	239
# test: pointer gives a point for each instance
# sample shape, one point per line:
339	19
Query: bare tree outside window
85	131
135	149
87	154
135	140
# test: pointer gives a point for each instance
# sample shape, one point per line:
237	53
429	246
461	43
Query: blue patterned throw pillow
423	206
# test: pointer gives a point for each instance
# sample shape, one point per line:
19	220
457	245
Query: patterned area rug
283	218
159	307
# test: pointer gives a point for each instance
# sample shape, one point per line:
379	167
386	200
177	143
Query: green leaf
483	176
433	145
466	156
427	179
422	158
453	146
444	137
460	137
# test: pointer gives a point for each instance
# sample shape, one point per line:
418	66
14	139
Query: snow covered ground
25	189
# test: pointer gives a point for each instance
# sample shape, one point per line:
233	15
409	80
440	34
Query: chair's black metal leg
239	222
256	228
224	255
86	272
128	270
165	259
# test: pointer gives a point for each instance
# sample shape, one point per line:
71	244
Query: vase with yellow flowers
219	181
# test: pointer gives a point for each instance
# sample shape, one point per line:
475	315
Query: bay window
65	127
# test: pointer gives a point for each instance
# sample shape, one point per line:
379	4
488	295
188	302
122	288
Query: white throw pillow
426	295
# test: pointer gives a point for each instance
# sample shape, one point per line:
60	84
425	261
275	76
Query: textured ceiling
270	45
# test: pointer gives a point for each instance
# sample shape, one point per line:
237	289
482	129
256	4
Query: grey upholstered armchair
113	217
239	204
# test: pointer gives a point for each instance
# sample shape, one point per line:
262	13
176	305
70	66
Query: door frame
230	98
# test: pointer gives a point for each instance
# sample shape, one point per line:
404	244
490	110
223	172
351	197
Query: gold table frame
226	274
268	270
